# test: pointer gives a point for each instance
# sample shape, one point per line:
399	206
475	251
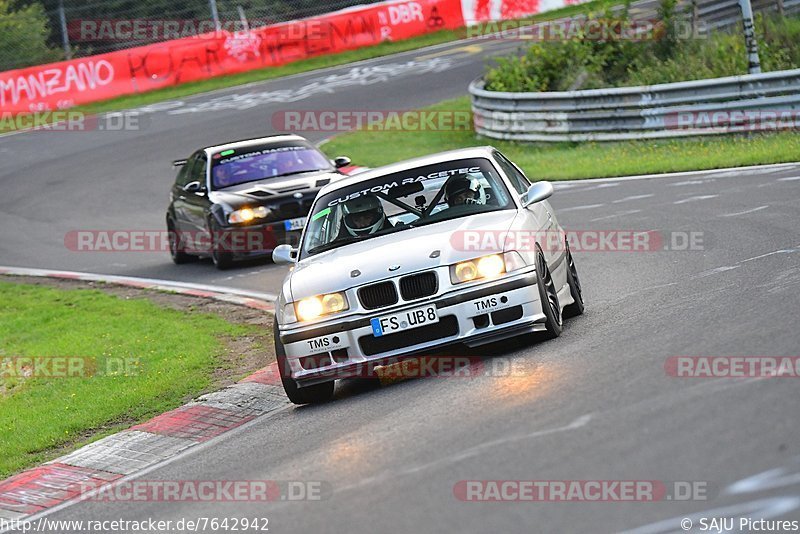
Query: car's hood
270	189
410	249
287	198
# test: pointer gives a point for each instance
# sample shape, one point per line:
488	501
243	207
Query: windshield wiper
336	243
295	172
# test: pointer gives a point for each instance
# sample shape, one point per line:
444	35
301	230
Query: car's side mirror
536	193
341	161
283	254
194	187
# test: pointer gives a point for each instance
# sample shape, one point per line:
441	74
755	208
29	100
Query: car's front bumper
348	347
257	239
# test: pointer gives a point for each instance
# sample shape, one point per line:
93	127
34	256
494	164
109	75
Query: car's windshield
237	166
404	200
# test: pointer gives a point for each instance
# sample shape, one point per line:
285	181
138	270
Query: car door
179	195
539	219
197	203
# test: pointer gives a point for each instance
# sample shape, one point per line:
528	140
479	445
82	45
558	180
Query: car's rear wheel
315	394
177	246
548	296
577	307
223	259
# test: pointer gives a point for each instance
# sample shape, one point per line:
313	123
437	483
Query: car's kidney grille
418	285
378	295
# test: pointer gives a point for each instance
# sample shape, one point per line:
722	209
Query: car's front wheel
315	394
548	297
222	258
177	246
577	307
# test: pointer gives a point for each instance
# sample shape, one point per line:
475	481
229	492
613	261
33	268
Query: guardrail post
753	62
62	18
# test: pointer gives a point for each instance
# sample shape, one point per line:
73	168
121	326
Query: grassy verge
315	63
561	161
126	361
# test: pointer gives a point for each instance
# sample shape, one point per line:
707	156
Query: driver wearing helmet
363	216
461	190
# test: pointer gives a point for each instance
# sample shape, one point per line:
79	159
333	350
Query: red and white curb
153	442
251	299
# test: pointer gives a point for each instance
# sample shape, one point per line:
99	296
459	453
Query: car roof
244	143
431	159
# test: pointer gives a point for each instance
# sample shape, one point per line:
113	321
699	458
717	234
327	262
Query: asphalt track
595	404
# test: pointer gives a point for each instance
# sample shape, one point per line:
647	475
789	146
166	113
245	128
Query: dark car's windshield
403	200
237	166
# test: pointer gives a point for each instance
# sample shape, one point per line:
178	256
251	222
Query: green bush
581	63
23	37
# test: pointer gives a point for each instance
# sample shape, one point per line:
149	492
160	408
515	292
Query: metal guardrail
701	107
718	14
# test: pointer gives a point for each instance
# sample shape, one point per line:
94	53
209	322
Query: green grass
177	353
561	161
310	64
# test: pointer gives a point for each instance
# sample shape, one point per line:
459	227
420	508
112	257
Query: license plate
406	320
295	224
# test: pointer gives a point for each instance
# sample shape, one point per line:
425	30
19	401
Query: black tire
222	259
548	296
577	307
177	246
318	393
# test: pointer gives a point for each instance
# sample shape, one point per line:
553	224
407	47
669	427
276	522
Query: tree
23	37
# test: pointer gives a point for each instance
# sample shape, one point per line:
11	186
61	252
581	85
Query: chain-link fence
40	31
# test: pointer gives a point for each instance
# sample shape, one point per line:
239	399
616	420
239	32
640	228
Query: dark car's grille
446	327
418	285
378	295
292	209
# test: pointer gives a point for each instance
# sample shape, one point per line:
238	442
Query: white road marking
691	182
633	197
744	212
695	198
585	207
620	214
789	179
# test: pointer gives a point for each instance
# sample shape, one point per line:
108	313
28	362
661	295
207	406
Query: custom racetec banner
58	86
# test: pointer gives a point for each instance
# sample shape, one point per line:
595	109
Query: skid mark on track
469	453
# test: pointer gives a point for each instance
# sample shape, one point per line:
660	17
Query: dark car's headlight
246	215
313	307
490	266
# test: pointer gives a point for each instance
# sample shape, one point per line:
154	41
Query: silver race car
457	247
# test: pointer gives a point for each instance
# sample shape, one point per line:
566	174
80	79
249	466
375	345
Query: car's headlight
245	215
313	307
489	266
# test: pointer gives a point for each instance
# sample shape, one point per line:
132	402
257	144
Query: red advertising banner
136	70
